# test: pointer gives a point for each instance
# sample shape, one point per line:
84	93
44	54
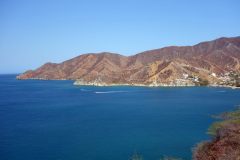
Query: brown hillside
162	65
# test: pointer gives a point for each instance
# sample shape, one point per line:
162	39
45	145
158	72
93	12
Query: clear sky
33	32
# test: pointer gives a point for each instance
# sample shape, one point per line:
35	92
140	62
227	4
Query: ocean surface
48	120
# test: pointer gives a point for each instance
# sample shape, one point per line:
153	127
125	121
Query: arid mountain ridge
159	67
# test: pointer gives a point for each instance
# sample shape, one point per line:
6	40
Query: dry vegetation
225	142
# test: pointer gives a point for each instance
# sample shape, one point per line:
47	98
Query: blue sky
33	32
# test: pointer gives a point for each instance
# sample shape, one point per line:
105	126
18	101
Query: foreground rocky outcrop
225	147
161	67
225	142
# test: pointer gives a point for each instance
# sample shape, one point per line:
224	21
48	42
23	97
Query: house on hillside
213	74
194	79
226	73
185	75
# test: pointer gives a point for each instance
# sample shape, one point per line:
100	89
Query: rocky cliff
160	67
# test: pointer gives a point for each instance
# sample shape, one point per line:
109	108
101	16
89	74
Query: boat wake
221	91
111	92
84	90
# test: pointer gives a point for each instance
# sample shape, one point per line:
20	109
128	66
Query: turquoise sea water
56	120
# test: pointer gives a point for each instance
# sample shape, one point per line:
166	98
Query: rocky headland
206	62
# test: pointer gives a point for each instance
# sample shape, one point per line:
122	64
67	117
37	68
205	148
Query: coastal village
228	79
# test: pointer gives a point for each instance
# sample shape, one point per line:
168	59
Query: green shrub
135	156
203	82
227	117
115	81
237	84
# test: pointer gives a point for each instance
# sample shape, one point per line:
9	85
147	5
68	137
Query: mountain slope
160	65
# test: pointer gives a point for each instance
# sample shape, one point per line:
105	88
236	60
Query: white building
213	74
185	75
226	74
196	79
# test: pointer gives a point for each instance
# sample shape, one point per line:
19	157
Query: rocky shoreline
225	86
173	83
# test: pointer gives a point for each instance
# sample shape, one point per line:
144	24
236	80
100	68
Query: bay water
49	120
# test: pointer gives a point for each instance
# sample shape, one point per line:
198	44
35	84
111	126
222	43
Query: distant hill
159	66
